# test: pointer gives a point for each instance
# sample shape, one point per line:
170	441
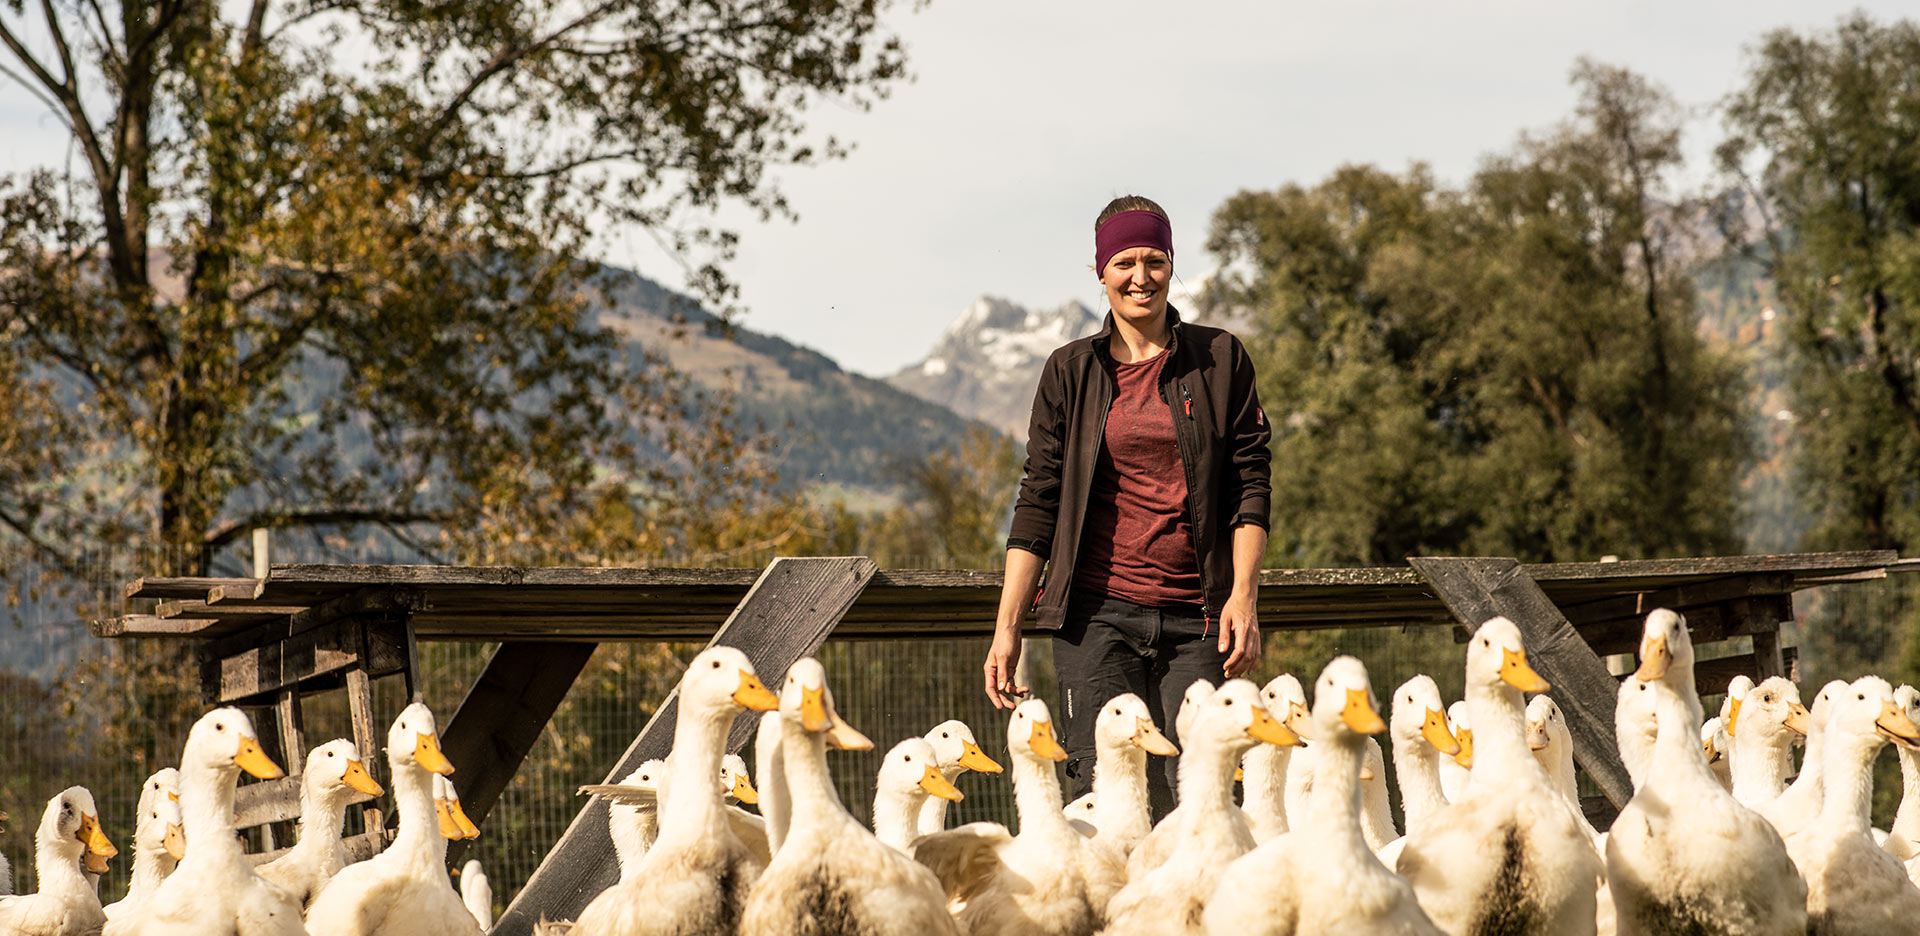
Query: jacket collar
1102	339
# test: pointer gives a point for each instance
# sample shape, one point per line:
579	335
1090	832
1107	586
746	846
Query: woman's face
1136	280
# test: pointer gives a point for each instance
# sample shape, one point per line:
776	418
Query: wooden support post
1476	590
287	718
360	713
501	718
785	616
1761	617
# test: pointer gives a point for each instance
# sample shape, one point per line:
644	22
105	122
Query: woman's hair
1128	203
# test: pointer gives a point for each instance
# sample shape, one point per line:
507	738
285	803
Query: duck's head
1908	698
164	784
1714	742
335	769
1770	710
913	767
1030	733
953	742
1497	659
1865	715
223	741
805	701
1664	646
414	741
1190	704
1343	704
647	775
1081	808
1420	717
1462	733
1546	727
1126	722
159	830
1737	689
734	781
722	680
1286	701
72	826
454	823
1234	717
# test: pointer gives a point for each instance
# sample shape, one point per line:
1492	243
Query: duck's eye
716	664
1230	701
219	726
332	754
945	735
1863	697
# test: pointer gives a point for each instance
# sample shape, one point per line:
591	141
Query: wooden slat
501	718
785	616
246	676
182	586
359	848
275	800
147	625
1711	676
1479	589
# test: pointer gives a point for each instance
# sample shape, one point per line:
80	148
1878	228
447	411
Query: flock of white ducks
1719	837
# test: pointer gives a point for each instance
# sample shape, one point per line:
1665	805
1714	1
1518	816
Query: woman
1145	499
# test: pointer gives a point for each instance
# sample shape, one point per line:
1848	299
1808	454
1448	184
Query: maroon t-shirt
1138	541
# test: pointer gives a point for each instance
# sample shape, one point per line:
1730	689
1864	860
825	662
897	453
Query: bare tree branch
69	565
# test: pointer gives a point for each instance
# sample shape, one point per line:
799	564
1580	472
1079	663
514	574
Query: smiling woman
1145	497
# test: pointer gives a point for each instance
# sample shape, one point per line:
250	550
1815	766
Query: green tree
1825	141
1508	369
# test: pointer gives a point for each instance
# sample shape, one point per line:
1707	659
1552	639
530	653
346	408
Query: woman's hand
1240	634
1002	660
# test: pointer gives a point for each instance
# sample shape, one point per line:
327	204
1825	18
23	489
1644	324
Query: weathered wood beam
787	615
500	719
1479	589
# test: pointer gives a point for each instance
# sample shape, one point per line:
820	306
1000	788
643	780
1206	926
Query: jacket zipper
1193	522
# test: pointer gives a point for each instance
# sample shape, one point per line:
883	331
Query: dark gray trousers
1108	646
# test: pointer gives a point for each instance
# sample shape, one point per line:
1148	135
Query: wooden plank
147	625
785	616
182	586
1679	597
1711	676
502	716
360	715
266	670
1479	589
359	848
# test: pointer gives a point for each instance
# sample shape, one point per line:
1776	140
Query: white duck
68	838
1508	857
1456	772
830	874
908	776
953	743
1118	814
1033	883
159	842
1854	888
1267	768
333	775
1903	840
696	876
735	784
1684	855
1798	806
1634	727
477	893
403	891
452	820
1718	746
1770	719
1336	885
1421	741
1552	744
1173	871
634	825
776	805
214	889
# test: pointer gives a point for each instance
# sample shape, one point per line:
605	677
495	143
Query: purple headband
1137	228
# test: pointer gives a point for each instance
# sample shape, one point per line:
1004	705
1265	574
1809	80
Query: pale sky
983	176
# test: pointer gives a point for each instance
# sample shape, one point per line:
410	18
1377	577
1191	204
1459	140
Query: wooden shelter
266	642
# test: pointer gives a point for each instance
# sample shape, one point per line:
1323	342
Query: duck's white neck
206	815
1906	822
1036	795
632	829
1848	782
1417	766
1808	786
1677	759
419	825
1334	806
933	813
692	808
776	801
151	865
1761	762
57	859
896	813
815	803
1206	776
321	813
1500	753
1120	806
